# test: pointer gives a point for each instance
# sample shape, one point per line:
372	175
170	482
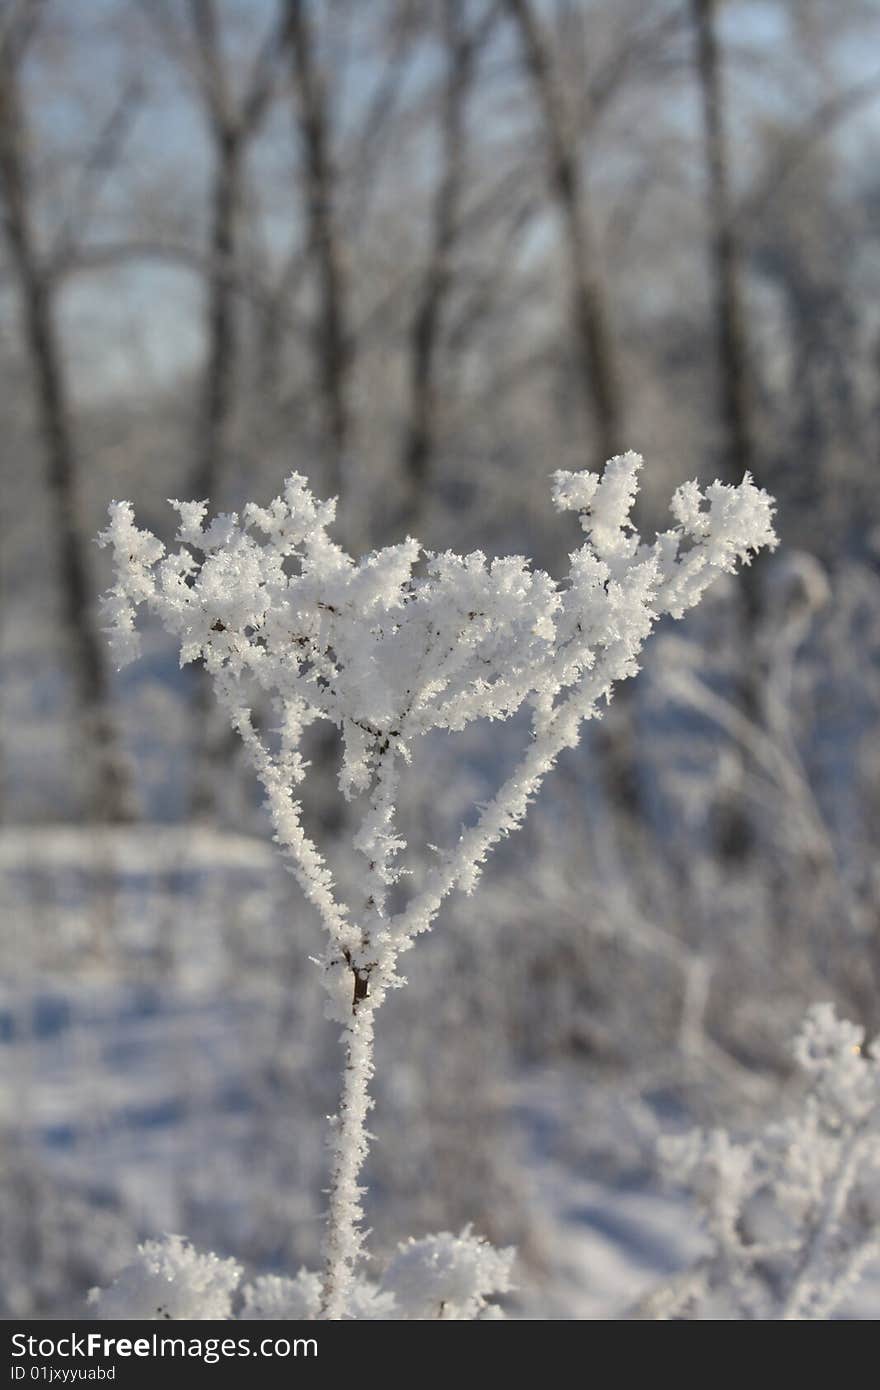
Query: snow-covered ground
166	1067
148	1068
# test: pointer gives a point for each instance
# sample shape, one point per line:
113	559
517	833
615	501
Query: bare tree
332	333
732	350
597	356
734	832
233	121
109	791
233	124
461	46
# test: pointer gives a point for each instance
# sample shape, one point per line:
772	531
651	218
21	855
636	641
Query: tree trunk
420	441
217	407
731	345
597	356
332	336
213	445
733	832
109	789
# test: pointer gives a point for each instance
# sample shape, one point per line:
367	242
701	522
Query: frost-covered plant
445	1277
389	648
448	1277
168	1279
793	1215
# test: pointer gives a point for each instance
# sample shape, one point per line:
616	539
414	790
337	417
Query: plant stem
349	1143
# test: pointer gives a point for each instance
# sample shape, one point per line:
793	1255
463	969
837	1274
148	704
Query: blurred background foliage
425	252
